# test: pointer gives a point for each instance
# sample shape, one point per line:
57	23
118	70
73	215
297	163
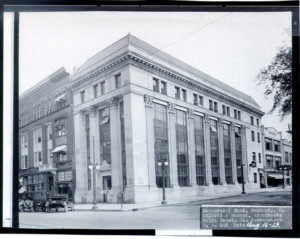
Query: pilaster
191	144
150	141
207	150
221	152
244	153
172	144
233	154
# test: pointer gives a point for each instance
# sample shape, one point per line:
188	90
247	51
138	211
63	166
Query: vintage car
59	201
25	202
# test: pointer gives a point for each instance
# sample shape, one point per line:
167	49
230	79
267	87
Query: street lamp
162	162
243	183
95	167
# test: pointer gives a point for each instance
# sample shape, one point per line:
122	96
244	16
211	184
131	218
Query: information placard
228	217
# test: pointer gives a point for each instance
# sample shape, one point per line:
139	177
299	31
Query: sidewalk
143	206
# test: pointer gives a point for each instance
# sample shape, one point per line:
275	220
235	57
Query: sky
229	46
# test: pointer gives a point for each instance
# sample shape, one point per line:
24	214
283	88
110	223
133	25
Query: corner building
134	105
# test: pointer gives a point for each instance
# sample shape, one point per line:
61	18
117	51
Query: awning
59	149
61	97
276	176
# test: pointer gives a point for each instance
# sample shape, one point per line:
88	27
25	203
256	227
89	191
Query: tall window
238	153
182	149
228	111
269	161
105	144
199	150
227	154
123	144
216	106
251	120
269	144
257	122
211	107
223	109
161	147
24	163
276	146
155	85
183	94
49	139
88	150
195	99
95	88
252	135
286	157
253	156
177	92
259	157
277	161
163	87
82	95
60	127
200	100
235	114
258	137
255	177
239	115
102	84
214	150
118	81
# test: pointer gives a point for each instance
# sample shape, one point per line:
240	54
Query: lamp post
94	166
243	183
162	162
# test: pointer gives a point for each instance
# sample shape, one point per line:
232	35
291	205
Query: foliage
277	78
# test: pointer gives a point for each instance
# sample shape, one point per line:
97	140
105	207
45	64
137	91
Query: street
180	216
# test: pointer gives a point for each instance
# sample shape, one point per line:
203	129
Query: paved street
180	216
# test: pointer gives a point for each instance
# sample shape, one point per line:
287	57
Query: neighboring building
46	135
134	105
273	153
287	159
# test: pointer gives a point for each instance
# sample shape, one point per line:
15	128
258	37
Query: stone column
80	158
244	153
191	144
116	157
221	152
150	141
233	154
207	150
172	145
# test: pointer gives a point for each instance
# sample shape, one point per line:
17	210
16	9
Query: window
257	122
105	141
40	158
223	109
238	153
286	157
235	114
255	177
95	88
239	115
258	137
155	85
251	120
118	81
228	111
199	150
25	163
252	135
161	147
214	151
200	100
269	161
182	149
177	92
82	94
276	146
269	144
102	84
277	161
259	157
253	156
290	157
210	104
183	94
195	99
163	88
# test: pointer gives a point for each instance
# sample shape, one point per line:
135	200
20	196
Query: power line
199	29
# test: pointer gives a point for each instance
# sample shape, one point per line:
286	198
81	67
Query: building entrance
106	186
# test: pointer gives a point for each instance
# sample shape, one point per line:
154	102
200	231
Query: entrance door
106	186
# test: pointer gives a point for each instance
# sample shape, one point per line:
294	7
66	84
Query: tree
277	78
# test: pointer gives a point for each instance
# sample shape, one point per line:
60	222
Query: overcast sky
231	47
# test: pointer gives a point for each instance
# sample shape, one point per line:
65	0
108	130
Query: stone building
287	159
46	136
135	105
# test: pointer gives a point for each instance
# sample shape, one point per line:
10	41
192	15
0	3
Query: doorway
106	186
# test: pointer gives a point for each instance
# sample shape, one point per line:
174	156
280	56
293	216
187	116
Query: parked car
59	201
25	202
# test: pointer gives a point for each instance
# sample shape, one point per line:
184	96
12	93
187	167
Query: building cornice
175	76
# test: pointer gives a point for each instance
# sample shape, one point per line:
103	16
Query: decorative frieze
171	107
190	113
113	103
148	100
